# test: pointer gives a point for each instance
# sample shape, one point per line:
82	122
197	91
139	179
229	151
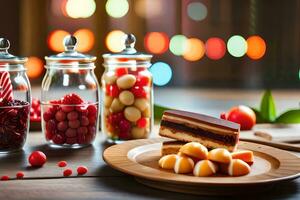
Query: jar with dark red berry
15	100
127	94
70	98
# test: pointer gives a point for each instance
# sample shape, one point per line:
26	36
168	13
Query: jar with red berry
127	94
70	98
15	100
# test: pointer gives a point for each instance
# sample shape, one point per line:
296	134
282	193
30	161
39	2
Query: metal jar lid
129	56
7	59
70	55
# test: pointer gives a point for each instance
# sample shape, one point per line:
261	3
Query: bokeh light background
195	43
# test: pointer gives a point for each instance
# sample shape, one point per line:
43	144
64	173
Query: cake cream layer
204	119
200	125
171	147
190	137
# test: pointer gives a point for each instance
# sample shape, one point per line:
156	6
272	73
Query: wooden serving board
140	159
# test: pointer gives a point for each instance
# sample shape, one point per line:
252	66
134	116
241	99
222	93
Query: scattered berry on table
37	159
20	175
81	170
62	163
68	172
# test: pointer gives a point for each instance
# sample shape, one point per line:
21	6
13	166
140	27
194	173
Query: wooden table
102	182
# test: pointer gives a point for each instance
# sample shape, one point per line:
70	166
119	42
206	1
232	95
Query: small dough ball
236	167
126	97
141	104
126	81
195	150
205	168
219	155
109	78
138	133
168	161
116	106
108	100
147	112
132	114
183	165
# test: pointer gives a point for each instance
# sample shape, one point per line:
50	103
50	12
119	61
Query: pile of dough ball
194	158
127	103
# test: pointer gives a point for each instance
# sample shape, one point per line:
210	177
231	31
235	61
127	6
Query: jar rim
73	65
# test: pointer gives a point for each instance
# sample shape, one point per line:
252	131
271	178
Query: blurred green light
197	11
117	8
237	46
178	44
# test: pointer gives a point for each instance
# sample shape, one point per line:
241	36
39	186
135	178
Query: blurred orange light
156	42
115	41
215	48
35	67
256	47
55	40
85	39
195	49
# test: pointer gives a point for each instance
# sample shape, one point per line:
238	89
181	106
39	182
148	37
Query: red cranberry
72	99
62	164
142	80
92	120
139	92
62	126
121	71
20	175
124	125
84	121
83	110
35	103
68	172
82	130
60	116
92	110
92	130
50	125
4	178
47	116
49	135
71	132
123	135
58	139
72	140
74	123
142	123
81	170
37	159
72	115
67	109
112	90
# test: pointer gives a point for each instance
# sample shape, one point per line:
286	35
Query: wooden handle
280	145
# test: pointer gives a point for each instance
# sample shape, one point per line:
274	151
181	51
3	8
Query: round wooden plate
140	159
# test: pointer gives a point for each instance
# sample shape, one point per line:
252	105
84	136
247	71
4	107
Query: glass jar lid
129	56
70	56
7	60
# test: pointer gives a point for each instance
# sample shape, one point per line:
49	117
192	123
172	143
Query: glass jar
15	100
70	98
127	94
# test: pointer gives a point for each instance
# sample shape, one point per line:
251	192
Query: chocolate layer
197	132
225	124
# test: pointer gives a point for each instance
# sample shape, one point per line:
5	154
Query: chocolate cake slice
192	127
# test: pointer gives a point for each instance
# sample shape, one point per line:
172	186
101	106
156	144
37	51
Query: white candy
138	133
141	104
126	97
116	105
127	81
107	100
132	114
109	78
147	112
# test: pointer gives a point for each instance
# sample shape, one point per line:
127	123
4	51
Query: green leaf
289	117
259	118
159	110
267	107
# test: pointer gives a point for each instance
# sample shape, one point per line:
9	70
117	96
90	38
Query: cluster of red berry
38	159
13	124
35	110
70	121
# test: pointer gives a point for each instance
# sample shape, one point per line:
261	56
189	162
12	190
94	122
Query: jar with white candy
127	104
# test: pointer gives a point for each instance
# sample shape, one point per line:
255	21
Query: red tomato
242	115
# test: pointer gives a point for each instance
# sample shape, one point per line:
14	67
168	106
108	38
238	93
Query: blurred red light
215	48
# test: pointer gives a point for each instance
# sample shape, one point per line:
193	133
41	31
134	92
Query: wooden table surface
102	182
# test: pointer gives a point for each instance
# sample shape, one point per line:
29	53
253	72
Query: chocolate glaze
197	132
225	124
